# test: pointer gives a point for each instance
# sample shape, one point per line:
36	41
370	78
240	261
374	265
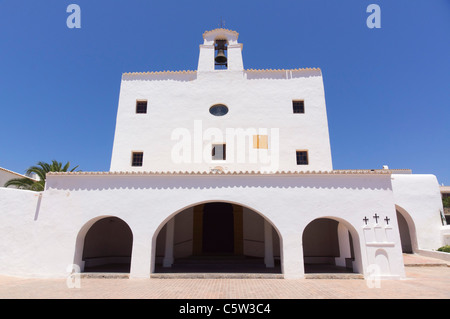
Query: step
215	276
417	260
334	276
219	260
104	275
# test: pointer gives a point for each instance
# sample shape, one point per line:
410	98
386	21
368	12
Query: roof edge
216	30
195	71
15	173
217	172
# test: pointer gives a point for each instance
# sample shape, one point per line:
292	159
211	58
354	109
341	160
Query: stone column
168	253
292	255
268	245
197	236
238	230
344	245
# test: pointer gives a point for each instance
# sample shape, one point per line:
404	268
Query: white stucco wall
419	200
261	100
53	233
178	114
21	234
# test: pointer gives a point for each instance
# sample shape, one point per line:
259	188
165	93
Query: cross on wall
376	217
365	220
387	219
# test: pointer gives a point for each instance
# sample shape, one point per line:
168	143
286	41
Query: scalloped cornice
220	30
161	72
218	172
194	71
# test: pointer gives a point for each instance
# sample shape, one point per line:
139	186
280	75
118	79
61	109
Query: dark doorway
405	237
107	246
218	228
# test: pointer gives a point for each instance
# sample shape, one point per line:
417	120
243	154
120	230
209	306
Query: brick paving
420	282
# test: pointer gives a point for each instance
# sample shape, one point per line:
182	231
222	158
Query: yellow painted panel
263	141
255	141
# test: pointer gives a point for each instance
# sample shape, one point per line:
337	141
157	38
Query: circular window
218	110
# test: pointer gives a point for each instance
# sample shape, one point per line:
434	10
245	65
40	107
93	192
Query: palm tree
41	170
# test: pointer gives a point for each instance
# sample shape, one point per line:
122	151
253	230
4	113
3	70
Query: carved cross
365	220
376	218
387	219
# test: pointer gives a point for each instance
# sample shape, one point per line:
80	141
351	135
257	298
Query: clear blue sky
387	90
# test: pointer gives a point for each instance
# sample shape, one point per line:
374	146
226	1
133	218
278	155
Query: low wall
435	254
445	234
20	236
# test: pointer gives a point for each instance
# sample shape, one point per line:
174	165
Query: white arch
79	243
358	264
164	222
411	227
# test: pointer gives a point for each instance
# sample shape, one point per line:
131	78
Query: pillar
238	230
197	239
142	263
168	253
292	254
268	245
344	245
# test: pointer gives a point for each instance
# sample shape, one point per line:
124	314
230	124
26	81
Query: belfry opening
220	55
217	237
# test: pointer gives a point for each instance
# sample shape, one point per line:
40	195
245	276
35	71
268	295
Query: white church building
221	169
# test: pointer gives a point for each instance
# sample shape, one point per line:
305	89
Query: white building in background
6	175
221	168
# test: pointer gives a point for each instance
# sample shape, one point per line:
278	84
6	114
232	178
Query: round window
218	110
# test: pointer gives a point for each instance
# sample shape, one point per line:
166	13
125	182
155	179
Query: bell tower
220	51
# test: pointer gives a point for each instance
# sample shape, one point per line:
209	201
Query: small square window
298	106
302	157
138	159
219	152
141	107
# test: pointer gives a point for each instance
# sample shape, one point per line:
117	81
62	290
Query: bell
220	58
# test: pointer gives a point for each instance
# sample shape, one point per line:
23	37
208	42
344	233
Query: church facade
221	168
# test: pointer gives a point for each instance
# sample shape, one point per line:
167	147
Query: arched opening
220	54
328	247
407	231
107	246
217	237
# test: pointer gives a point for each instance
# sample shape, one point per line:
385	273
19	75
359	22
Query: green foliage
445	249
446	201
41	170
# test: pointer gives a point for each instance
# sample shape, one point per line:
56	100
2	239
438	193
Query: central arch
216	237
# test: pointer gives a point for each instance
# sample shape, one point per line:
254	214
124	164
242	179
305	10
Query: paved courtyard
423	281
